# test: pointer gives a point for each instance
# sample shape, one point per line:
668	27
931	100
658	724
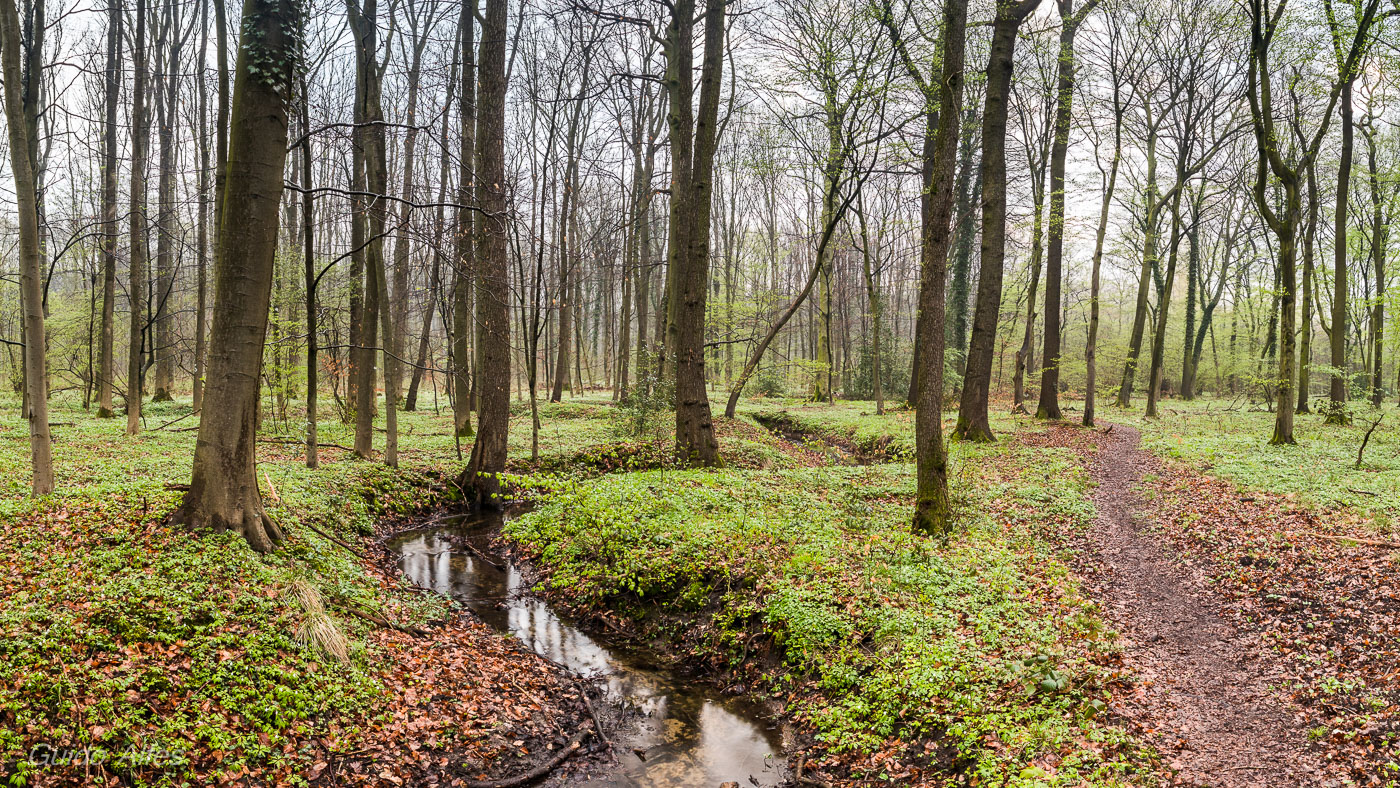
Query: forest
700	393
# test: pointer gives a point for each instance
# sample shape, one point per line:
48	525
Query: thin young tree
1070	20
106	367
136	279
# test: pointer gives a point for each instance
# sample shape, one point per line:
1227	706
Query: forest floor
180	658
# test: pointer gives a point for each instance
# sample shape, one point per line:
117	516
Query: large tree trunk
831	171
22	167
488	458
973	423
932	511
376	315
136	283
224	485
110	164
693	138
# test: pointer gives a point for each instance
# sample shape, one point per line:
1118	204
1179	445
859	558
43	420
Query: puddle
690	735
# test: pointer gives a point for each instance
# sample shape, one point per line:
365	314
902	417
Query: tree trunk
110	166
22	166
308	257
201	329
1337	388
1049	406
136	287
969	172
1305	338
932	510
693	138
164	345
1023	353
465	271
973	423
224	485
1091	343
376	316
488	458
1164	302
1379	236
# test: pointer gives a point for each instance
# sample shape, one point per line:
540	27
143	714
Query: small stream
674	733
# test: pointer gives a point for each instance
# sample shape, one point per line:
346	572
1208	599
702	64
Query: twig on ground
537	772
1367	439
177	421
383	622
291	442
337	541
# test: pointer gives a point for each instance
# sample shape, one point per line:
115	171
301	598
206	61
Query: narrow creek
674	733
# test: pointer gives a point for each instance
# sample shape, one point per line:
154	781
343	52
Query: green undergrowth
165	657
851	425
1229	439
980	654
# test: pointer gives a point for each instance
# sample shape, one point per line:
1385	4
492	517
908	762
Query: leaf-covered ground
132	653
1270	526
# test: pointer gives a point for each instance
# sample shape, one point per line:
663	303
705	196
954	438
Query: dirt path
1205	686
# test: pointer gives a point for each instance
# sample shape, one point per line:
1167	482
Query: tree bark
223	491
932	510
693	138
465	271
488	458
136	287
973	423
1337	386
110	166
1049	406
22	167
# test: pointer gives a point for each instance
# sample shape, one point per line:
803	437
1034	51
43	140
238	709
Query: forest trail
1204	685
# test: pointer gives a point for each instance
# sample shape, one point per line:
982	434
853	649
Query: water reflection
689	736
